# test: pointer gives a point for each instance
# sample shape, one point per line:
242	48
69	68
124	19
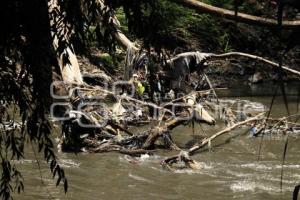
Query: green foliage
220	3
107	59
250	7
161	23
123	21
150	21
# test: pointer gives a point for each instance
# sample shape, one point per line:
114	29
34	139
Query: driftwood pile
99	119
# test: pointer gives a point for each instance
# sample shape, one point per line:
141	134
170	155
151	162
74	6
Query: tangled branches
107	128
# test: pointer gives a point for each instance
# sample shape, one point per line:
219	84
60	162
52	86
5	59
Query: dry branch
195	110
208	140
207	57
240	54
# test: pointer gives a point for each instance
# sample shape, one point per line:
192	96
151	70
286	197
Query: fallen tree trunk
66	56
240	17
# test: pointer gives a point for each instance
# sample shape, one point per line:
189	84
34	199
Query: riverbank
222	73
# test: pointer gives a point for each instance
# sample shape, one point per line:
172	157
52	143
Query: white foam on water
256	166
144	157
24	161
268	166
293	180
206	166
68	163
187	171
239	174
242	186
139	178
245	185
296	176
288	166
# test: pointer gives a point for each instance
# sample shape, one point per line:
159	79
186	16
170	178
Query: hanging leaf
65	185
296	192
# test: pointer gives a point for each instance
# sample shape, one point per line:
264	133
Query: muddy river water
231	168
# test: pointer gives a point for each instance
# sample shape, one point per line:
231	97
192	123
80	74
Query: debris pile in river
103	124
99	113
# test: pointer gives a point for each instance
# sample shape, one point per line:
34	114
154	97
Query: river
231	168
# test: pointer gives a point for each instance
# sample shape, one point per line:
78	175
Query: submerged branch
206	141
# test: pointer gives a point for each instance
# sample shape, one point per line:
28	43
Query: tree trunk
66	56
119	36
240	17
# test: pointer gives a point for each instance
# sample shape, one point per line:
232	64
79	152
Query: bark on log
66	58
240	17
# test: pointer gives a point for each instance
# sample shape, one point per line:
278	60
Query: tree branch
205	141
240	54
